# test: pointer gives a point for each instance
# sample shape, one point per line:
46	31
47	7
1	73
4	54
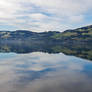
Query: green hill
76	42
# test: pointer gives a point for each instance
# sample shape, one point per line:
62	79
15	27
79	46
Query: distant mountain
76	42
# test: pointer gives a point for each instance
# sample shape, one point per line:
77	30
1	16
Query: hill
76	42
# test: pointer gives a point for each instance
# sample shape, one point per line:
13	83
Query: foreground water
43	72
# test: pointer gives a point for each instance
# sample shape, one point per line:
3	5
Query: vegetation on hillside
76	42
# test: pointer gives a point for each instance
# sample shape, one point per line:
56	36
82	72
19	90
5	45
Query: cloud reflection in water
43	72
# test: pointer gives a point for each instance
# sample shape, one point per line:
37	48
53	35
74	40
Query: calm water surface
43	72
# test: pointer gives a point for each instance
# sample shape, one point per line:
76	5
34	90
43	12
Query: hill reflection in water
27	47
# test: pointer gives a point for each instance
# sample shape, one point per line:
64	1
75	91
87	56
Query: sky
44	15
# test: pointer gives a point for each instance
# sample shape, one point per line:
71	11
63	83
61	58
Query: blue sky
44	15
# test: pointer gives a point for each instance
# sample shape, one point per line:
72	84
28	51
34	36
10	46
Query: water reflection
43	72
27	47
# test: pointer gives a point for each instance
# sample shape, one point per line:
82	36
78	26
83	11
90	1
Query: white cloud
42	15
38	16
76	19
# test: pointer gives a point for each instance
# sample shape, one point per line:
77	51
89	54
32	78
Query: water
43	72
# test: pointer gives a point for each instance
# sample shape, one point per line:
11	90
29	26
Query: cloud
75	19
43	15
38	16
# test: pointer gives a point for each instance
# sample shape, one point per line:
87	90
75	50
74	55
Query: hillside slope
76	42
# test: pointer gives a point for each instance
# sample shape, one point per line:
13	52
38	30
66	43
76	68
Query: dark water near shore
43	72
